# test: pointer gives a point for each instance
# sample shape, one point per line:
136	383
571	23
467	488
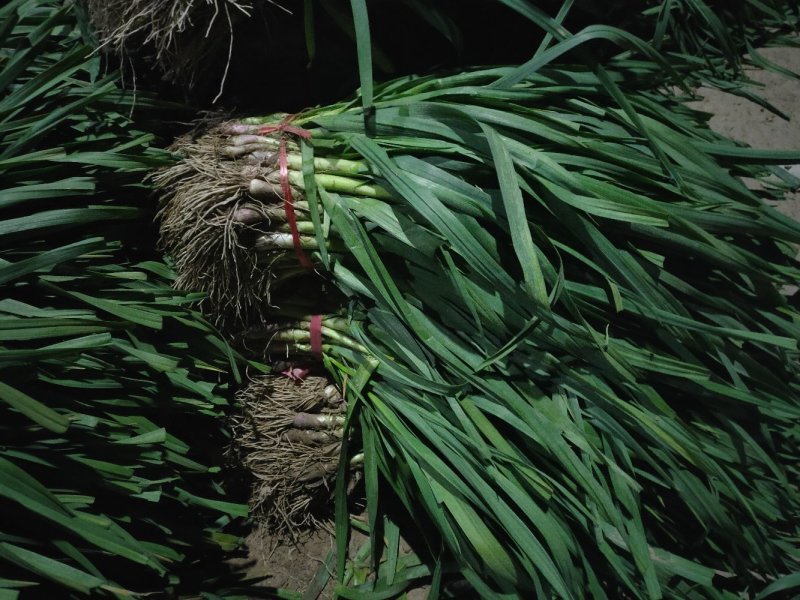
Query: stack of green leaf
566	350
722	36
708	41
712	42
112	390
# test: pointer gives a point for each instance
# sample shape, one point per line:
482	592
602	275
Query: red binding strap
316	335
283	164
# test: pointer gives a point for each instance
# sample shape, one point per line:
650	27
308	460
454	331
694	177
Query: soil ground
747	122
294	566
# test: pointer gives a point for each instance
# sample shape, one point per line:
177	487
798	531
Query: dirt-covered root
178	34
289	438
213	210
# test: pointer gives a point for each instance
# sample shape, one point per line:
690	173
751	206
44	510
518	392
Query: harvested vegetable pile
554	310
529	317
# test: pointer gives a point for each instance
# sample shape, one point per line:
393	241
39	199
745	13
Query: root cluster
289	437
212	213
178	33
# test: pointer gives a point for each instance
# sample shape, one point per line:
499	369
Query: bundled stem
224	222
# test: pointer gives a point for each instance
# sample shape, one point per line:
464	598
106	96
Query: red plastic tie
316	335
283	164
